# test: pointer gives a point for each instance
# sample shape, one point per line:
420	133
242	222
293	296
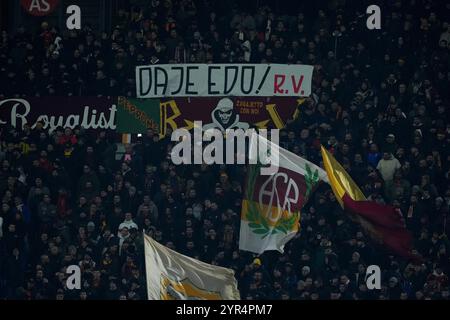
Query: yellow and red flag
383	223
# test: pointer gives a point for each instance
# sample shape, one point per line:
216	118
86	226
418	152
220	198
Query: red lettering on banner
39	7
298	85
277	85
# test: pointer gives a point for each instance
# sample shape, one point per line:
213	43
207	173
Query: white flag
173	276
271	205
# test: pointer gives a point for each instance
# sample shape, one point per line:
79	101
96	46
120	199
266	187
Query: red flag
385	223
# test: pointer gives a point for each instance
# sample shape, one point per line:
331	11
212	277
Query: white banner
173	276
201	80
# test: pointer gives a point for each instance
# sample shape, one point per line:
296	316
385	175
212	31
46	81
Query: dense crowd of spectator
380	105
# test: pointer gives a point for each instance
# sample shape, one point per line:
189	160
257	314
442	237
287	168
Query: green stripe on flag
138	115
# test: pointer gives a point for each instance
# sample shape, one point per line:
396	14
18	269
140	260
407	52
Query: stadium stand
380	105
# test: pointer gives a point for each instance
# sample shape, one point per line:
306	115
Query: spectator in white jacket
128	222
387	166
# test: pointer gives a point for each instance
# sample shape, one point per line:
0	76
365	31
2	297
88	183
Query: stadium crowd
380	105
